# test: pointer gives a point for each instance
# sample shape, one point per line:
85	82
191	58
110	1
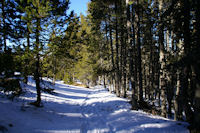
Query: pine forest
146	52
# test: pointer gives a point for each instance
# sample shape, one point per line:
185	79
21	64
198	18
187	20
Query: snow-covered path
75	109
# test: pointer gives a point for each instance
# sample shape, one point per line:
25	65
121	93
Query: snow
17	73
75	109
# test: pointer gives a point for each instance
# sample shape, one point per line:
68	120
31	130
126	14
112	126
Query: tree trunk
186	69
162	79
131	45
195	70
196	119
124	73
117	54
134	36
169	78
4	25
123	39
37	71
139	60
112	54
178	99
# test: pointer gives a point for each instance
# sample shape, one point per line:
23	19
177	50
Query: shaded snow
75	109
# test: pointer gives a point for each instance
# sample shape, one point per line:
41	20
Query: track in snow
75	109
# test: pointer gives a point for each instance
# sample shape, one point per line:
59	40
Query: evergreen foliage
148	47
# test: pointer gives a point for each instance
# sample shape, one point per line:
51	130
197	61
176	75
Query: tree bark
112	54
37	71
131	44
195	70
177	103
162	79
139	60
187	67
117	53
4	25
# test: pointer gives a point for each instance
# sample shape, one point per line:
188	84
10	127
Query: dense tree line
147	47
153	51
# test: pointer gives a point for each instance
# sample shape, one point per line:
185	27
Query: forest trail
75	109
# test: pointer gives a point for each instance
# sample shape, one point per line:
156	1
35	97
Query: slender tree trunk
134	36
177	103
4	25
117	54
107	42
28	35
54	79
131	44
28	51
121	69
112	54
186	70
112	57
151	63
125	75
123	47
139	60
162	79
169	78
170	93
195	69
37	71
124	71
54	70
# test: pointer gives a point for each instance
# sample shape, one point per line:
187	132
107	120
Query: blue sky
79	6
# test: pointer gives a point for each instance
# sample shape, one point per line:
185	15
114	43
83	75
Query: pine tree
8	22
39	12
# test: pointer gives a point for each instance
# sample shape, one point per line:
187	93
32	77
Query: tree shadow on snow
62	112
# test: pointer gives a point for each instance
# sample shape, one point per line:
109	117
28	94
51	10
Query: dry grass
80	85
